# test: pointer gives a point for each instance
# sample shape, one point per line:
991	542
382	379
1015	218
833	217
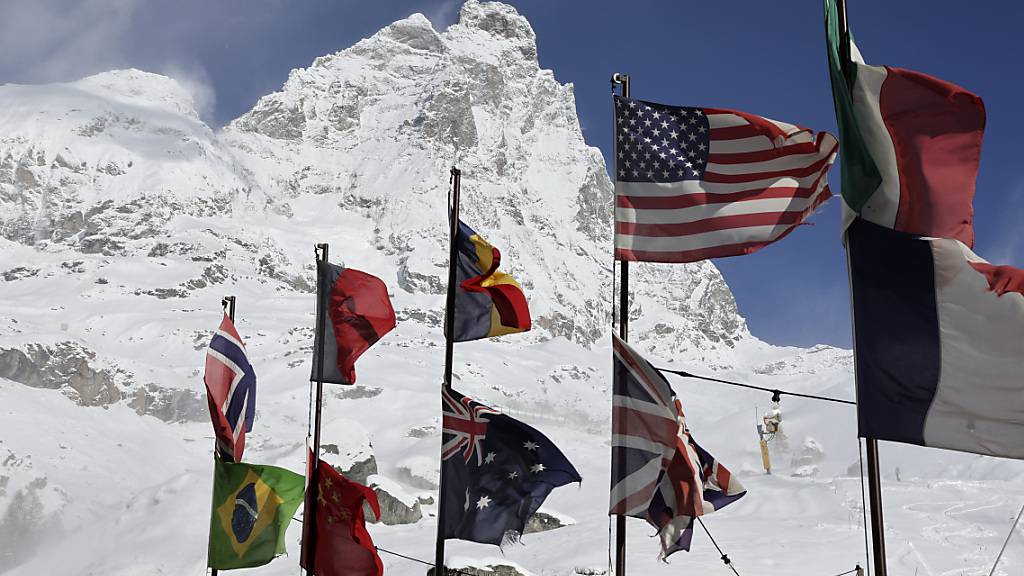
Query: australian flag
230	391
498	471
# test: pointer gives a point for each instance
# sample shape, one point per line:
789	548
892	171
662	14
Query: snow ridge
124	218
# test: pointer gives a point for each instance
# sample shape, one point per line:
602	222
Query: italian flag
909	144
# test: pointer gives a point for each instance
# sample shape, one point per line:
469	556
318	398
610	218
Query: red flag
1001	279
342	545
359	313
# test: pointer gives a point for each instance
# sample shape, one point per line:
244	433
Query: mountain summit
124	219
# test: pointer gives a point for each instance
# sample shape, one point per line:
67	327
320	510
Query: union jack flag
230	391
463	426
659	473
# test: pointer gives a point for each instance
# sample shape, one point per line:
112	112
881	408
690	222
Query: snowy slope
123	219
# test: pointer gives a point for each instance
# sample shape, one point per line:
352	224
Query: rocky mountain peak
416	32
363	137
501	21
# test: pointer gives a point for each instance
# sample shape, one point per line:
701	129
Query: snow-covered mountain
124	218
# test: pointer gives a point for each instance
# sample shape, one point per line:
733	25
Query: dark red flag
1001	279
342	545
359	313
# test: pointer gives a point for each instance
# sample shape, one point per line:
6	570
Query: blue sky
766	58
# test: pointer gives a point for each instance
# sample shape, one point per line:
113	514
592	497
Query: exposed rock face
394	511
396	506
361	470
133	218
169	404
118	168
475	96
67	366
541	522
63	366
489	570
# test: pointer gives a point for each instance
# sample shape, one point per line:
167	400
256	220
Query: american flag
659	472
698	183
230	391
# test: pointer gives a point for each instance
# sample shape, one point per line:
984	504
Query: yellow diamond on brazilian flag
252	506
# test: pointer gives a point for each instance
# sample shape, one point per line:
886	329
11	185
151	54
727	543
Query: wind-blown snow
124	218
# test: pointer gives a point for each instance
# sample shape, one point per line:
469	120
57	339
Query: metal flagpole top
228	303
622	80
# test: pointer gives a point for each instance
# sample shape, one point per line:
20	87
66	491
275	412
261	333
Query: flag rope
776	393
725	557
728	562
1008	536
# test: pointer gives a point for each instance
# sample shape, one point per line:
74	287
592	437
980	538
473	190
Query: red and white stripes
762	179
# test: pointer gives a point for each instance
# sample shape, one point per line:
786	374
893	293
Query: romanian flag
252	506
488	302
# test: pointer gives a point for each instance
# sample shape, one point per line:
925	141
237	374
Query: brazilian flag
252	506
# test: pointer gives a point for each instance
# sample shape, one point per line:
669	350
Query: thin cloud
1008	248
45	41
194	78
54	40
444	14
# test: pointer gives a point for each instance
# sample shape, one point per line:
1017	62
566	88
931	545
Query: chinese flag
342	545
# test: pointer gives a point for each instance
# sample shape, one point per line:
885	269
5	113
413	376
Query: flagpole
313	490
449	350
228	304
874	476
620	520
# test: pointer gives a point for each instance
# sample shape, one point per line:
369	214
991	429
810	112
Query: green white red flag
909	143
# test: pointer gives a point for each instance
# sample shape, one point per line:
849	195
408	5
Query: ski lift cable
776	393
725	558
1008	536
431	564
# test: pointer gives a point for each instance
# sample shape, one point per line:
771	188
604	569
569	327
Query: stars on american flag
657	143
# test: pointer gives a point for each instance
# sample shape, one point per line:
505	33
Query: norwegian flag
230	391
659	473
464	426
